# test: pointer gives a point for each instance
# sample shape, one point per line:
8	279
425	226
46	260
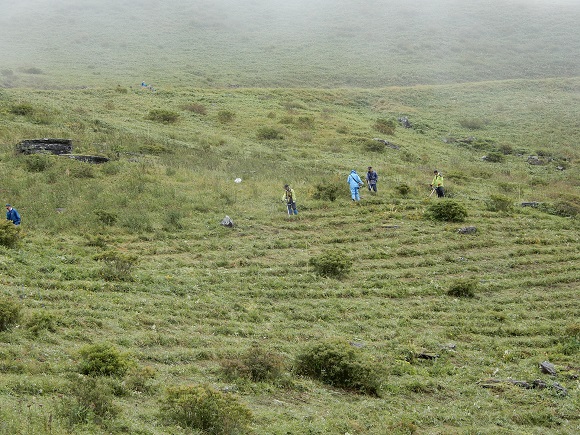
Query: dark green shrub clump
206	409
339	364
472	123
117	265
22	109
498	203
9	313
403	189
495	157
332	263
41	321
374	146
269	133
102	360
37	163
447	210
327	191
256	364
9	234
225	116
162	115
463	288
89	400
385	126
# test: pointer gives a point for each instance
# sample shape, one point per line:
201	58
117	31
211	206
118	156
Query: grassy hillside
297	43
131	254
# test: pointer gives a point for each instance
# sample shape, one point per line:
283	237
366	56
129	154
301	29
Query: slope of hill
131	255
298	43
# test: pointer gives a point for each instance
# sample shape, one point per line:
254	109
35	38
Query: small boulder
467	230
227	222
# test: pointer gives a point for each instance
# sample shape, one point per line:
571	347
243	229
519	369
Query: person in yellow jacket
437	184
289	198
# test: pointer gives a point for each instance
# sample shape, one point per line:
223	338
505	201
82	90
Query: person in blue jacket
355	184
12	215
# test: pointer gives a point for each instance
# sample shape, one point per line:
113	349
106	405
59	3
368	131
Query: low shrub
37	163
9	313
403	189
339	364
472	123
332	263
102	359
499	203
327	191
269	133
495	157
561	208
106	217
163	115
89	400
41	321
225	116
447	210
206	409
385	126
117	265
256	364
198	108
9	234
140	379
373	146
22	109
463	288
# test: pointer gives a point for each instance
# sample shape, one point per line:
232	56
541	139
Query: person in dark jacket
12	215
372	178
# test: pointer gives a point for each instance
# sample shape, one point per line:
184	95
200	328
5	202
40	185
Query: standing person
289	198
12	215
355	184
437	184
372	178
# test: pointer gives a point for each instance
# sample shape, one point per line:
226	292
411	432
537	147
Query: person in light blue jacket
355	184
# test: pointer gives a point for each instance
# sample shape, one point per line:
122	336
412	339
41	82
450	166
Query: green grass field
126	307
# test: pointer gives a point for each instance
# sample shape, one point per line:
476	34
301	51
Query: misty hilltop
292	43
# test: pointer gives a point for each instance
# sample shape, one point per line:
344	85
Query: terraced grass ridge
130	256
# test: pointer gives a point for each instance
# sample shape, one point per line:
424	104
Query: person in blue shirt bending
12	215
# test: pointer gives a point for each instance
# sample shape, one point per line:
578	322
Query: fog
363	43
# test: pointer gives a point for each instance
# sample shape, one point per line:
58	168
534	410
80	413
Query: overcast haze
285	43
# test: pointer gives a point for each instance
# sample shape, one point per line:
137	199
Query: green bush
561	208
22	109
102	359
106	217
463	288
331	263
256	364
198	108
385	126
374	146
447	210
327	191
9	234
117	265
269	133
140	379
89	400
225	116
206	409
495	157
41	321
37	162
403	189
472	123
340	364
499	203
9	313
162	115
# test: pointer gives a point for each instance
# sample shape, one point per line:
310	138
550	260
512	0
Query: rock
405	122
535	160
387	143
87	159
51	146
467	230
429	356
227	222
560	168
560	389
530	204
548	368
